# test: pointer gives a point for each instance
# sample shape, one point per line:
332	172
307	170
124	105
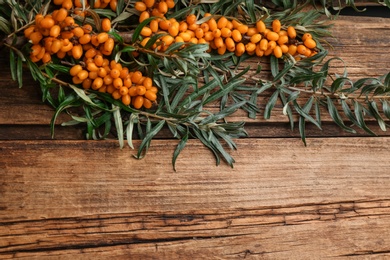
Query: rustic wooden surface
74	199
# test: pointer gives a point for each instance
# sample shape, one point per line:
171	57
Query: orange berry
226	32
212	24
163	7
278	52
170	3
138	102
283	39
78	31
147	103
230	45
97	83
284	48
199	33
205	27
255	38
115	73
251	31
46	57
76	80
240	49
173	30
77	51
292	49
87	83
222	22
102	37
56	46
218	42
191	19
55	31
306	36
217	33
133	91
87	28
102	72
113	5
126	99
47	22
67	47
250	47
164	25
154	25
35	37
108	79
243	28
263	44
91	66
116	94
276	25
136	77
141	90
62	13
106	25
83	74
90	53
310	43
69	21
150	95
301	49
149	3
109	45
93	74
143	16
260	25
140	6
167	40
118	83
86	38
146	31
272	36
291	32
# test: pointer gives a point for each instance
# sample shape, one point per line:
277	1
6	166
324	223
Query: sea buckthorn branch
165	70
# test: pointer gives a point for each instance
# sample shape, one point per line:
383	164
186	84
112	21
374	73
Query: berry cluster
149	8
230	35
58	34
69	4
109	76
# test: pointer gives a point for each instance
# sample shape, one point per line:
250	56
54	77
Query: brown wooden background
69	198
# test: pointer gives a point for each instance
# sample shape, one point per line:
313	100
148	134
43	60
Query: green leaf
251	10
375	113
149	135
270	104
334	114
386	82
130	128
19	71
180	146
360	118
138	30
12	65
70	101
274	65
118	125
305	112
386	108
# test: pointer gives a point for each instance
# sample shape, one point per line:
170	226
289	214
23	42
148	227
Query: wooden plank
60	199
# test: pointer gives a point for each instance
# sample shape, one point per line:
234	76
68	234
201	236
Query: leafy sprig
192	81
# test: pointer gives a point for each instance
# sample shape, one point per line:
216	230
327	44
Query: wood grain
100	200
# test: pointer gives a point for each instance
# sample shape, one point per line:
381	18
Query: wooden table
69	198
